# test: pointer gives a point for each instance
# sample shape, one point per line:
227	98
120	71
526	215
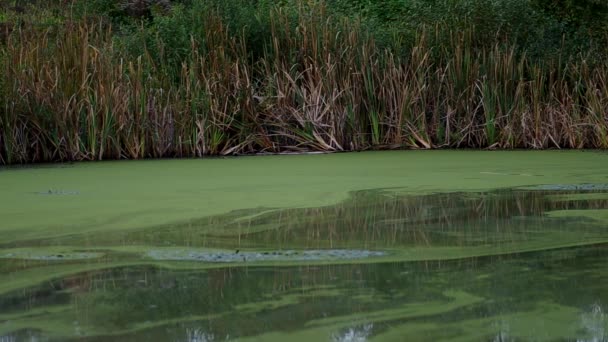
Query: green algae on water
114	196
440	245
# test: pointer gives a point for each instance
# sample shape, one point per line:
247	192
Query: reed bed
71	93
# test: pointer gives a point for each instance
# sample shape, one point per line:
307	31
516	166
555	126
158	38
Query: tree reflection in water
359	333
594	323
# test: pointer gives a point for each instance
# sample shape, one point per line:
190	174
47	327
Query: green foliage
541	29
580	12
580	26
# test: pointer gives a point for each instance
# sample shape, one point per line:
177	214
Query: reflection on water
354	334
200	335
503	334
551	295
24	336
594	322
539	293
374	219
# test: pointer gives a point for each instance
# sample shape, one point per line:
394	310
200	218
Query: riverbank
295	78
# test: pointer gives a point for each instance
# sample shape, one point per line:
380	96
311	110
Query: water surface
525	259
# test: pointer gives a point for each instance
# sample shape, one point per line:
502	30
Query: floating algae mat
47	254
382	246
307	255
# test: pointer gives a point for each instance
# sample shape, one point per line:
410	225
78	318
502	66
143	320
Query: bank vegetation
99	80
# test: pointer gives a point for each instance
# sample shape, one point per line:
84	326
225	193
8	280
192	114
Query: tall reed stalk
70	93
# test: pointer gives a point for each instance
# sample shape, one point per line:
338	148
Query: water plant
317	81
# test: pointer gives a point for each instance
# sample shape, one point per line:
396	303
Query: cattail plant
320	83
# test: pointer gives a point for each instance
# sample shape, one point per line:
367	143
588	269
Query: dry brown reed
69	93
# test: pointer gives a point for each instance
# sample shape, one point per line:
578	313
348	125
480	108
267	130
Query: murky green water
526	261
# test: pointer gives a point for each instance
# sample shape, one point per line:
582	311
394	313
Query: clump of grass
76	92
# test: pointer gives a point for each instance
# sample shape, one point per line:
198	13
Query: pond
376	246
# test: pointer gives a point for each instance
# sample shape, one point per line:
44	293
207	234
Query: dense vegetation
104	79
